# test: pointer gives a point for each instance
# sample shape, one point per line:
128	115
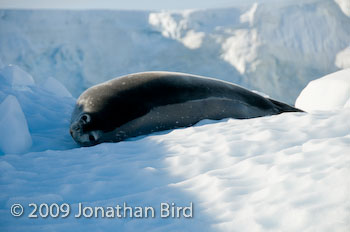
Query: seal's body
143	103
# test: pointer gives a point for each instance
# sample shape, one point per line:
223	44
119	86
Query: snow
285	172
342	59
344	5
249	15
46	115
14	134
254	44
170	28
241	49
327	93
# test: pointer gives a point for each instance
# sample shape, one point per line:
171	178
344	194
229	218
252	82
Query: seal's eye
91	138
85	118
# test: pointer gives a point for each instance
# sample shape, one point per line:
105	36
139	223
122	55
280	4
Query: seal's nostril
71	132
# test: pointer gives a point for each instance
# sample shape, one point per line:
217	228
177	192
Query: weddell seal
142	103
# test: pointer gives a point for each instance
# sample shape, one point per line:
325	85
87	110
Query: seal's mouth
84	138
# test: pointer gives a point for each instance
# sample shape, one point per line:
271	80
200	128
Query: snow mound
344	6
14	133
326	93
14	76
342	59
54	86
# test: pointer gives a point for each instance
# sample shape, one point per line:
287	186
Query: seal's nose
71	132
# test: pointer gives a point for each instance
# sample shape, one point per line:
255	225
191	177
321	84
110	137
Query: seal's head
81	132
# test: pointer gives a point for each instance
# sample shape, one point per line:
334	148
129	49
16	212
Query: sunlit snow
330	92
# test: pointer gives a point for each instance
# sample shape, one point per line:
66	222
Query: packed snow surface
327	93
286	172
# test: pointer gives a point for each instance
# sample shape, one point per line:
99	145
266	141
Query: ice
1	64
54	86
14	133
327	93
255	44
46	111
14	76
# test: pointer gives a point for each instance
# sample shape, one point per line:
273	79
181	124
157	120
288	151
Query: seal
142	103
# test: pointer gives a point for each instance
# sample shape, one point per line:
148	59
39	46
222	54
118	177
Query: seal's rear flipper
285	107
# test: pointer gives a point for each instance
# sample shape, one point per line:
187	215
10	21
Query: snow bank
14	133
327	93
